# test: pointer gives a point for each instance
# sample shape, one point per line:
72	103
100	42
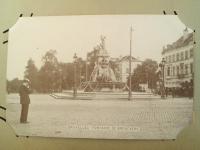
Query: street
110	119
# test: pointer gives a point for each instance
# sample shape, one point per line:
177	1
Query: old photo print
100	76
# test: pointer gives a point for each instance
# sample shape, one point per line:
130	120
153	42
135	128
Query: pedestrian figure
24	91
173	92
166	92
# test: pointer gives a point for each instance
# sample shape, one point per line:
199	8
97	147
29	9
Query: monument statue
102	77
102	71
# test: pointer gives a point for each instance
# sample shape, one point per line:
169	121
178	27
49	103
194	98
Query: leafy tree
52	75
13	85
67	75
145	73
31	73
49	75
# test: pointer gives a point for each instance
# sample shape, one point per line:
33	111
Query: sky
32	37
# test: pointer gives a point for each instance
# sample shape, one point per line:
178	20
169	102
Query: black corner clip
175	13
4	42
21	15
164	12
3	119
1	107
5	31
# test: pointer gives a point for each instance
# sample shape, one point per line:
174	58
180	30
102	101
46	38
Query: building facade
179	59
123	65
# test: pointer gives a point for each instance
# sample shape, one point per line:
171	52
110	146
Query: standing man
24	91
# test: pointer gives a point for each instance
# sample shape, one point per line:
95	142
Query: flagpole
130	65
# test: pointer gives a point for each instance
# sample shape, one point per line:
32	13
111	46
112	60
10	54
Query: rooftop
184	40
126	58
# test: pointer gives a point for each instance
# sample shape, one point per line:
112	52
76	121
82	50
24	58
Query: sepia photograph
100	76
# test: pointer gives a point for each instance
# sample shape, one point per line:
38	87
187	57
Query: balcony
180	76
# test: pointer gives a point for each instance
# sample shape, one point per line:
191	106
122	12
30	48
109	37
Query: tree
145	73
13	85
67	75
49	75
31	73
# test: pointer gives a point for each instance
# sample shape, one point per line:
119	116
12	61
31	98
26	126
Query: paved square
110	119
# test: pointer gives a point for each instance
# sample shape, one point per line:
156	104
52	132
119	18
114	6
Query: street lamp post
86	68
80	77
75	86
61	77
130	61
86	71
162	66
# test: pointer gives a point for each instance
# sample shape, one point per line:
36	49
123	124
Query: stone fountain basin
104	95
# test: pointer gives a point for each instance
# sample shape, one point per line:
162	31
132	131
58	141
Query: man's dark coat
24	95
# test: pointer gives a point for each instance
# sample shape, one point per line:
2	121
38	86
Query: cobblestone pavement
111	119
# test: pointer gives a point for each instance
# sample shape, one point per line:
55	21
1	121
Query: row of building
179	60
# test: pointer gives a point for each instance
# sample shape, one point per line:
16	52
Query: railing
180	76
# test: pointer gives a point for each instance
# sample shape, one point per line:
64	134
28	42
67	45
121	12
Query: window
177	57
173	58
182	56
168	71
127	70
181	68
191	68
186	68
170	58
191	53
173	70
166	59
177	69
186	54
